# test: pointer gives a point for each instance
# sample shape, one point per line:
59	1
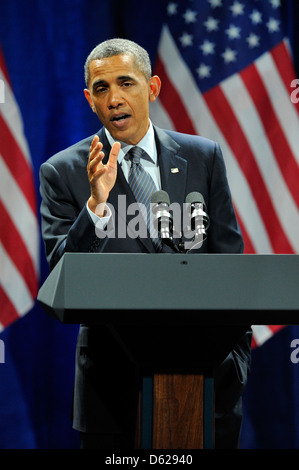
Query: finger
94	142
95	151
114	154
95	154
95	161
95	147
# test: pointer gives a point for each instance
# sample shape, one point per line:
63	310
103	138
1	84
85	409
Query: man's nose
115	98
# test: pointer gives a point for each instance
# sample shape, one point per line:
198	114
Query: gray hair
118	46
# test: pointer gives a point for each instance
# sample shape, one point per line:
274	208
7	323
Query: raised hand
101	177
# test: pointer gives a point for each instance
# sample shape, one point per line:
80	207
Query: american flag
226	72
19	228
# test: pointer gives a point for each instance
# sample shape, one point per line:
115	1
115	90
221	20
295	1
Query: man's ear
89	99
155	86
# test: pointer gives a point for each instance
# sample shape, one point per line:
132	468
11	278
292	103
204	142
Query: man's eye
126	84
100	89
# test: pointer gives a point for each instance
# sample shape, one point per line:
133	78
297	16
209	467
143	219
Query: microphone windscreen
194	198
160	197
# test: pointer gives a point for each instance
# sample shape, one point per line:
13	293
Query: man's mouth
119	117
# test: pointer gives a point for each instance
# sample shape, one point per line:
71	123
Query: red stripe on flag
8	312
276	137
231	129
17	163
284	65
172	100
275	328
17	250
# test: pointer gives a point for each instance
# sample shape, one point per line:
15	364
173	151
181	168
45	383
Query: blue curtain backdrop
45	44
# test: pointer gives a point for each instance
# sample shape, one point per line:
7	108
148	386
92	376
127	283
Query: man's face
119	94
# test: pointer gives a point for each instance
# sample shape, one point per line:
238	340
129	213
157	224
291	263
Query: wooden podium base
176	412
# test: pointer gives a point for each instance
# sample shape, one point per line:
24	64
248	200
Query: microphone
199	220
163	221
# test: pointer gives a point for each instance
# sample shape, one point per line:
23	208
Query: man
81	184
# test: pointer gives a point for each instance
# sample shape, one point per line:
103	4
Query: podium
177	316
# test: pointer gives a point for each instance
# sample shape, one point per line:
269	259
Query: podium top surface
207	283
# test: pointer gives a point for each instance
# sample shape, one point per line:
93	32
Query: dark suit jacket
67	227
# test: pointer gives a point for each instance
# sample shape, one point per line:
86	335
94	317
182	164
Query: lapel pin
174	170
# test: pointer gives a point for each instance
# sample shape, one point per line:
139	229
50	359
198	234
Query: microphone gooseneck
198	222
195	218
163	221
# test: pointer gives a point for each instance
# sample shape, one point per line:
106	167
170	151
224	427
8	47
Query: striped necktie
142	186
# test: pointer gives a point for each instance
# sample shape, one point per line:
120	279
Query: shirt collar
147	143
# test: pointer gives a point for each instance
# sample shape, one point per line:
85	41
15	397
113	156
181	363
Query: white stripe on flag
14	285
261	333
159	116
20	212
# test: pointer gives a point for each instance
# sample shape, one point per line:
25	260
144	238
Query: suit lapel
173	168
173	171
